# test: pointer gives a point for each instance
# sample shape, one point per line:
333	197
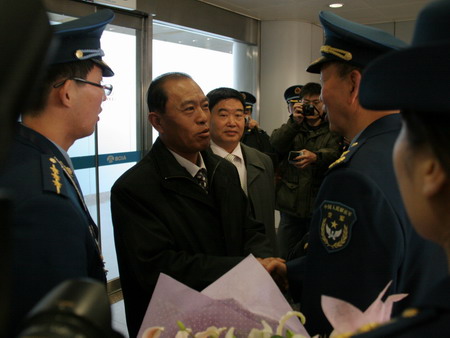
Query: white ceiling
362	11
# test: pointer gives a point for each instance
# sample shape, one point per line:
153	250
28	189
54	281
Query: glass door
101	158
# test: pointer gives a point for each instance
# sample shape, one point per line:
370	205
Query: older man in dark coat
169	219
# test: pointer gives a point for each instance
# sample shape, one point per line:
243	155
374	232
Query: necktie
230	157
202	179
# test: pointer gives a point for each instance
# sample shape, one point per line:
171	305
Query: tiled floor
119	322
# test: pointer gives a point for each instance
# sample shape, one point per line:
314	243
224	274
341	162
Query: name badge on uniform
336	224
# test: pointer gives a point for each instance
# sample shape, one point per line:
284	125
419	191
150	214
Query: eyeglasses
314	102
106	87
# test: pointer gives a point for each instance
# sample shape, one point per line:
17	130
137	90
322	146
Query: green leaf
181	325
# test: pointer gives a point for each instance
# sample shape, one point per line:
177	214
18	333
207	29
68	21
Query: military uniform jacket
429	319
261	189
51	236
360	236
165	222
297	189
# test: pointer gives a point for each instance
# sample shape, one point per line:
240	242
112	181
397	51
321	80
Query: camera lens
308	110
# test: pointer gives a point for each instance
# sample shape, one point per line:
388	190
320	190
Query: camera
292	155
75	308
308	110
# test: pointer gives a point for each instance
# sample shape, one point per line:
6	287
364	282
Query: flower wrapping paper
241	298
344	317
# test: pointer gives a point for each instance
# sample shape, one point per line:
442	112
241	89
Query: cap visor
316	66
106	70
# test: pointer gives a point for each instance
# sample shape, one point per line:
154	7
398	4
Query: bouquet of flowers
245	298
246	302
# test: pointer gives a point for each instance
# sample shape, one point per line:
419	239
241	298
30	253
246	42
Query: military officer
360	236
54	237
421	156
293	94
254	136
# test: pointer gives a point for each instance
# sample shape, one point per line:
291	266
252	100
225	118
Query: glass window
212	61
115	139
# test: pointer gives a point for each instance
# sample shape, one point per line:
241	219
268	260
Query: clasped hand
276	267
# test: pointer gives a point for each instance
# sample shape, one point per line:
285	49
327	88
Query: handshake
276	267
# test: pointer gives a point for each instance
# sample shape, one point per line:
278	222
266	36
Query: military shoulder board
52	175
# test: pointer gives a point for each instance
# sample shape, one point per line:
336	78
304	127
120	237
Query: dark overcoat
261	189
165	222
360	236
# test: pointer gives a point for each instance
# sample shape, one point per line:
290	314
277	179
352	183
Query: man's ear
65	93
355	80
435	178
155	120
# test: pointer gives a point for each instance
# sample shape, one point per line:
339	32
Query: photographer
308	148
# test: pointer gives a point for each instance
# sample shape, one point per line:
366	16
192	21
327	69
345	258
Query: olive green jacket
296	189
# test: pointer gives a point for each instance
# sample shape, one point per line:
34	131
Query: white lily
266	331
186	333
288	316
153	332
230	333
211	332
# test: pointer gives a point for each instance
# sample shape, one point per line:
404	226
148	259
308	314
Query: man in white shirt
254	167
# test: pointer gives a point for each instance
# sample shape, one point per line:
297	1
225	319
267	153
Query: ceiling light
336	5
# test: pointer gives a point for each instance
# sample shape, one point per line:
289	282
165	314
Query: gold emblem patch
336	224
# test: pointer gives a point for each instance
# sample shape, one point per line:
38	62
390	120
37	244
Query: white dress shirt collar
188	165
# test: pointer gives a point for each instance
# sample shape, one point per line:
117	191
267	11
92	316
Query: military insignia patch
336	224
